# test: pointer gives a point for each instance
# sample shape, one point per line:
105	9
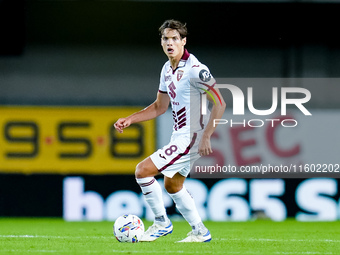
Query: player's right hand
121	124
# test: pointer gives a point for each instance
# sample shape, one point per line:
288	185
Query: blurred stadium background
70	69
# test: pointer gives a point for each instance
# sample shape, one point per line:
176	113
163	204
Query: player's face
172	43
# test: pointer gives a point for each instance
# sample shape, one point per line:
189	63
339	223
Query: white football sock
152	192
186	205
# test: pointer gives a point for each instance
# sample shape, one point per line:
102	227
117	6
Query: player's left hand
204	147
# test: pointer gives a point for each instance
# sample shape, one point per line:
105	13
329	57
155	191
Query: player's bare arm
155	109
216	113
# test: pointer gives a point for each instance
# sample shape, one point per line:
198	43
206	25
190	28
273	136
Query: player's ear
184	41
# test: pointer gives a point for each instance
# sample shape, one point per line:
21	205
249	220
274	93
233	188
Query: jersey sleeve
201	78
162	86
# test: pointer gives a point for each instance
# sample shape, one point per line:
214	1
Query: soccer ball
128	228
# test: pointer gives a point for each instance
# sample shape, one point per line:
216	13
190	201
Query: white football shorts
178	156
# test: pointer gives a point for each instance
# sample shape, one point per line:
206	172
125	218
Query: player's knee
146	168
171	188
143	170
139	171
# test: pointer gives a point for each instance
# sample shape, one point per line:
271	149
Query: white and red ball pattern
128	228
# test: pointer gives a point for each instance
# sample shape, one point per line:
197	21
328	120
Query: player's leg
145	172
186	205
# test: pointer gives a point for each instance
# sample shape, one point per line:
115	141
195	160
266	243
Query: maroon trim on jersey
181	111
181	154
186	55
160	91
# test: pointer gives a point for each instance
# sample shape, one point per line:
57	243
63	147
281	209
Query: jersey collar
184	58
186	55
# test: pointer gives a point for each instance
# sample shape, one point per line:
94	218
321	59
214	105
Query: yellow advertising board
72	140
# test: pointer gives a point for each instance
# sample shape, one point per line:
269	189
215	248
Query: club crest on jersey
204	75
179	74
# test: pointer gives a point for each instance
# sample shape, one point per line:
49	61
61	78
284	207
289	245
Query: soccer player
183	79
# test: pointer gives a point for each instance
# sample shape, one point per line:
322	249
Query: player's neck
174	61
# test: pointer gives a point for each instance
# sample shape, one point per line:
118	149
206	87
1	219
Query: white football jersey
184	87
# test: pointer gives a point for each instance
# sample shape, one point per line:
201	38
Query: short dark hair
174	24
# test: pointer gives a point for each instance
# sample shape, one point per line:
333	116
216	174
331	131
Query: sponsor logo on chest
167	78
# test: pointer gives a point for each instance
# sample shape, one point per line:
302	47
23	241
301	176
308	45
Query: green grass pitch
55	236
